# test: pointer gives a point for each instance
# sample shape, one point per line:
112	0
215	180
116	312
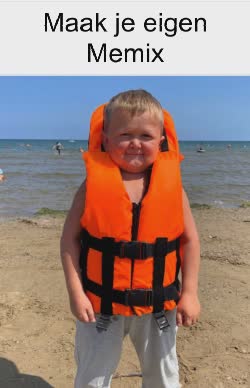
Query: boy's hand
188	309
81	308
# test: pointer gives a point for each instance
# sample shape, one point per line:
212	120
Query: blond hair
134	102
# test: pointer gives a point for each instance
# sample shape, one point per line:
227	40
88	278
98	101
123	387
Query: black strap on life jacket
158	289
135	250
158	274
130	249
133	297
84	255
107	275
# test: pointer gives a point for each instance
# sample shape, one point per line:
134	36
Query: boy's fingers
91	315
187	321
85	317
178	319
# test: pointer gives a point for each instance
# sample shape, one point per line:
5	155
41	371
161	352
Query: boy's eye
146	135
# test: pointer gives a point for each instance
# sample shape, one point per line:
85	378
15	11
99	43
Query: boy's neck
129	176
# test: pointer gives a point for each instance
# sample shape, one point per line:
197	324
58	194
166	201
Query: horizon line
73	140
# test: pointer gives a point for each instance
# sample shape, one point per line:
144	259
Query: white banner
124	38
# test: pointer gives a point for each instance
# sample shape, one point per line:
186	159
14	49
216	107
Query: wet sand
37	329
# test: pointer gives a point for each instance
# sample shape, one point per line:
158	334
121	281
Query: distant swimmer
200	149
229	146
58	147
2	176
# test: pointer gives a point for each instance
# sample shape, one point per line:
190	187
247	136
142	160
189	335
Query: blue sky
203	108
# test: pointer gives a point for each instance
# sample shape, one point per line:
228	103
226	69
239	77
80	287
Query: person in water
128	232
200	148
58	147
2	176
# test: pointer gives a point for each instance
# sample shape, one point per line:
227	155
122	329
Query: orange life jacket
121	273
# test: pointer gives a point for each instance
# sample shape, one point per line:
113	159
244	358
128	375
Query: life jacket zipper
136	209
135	219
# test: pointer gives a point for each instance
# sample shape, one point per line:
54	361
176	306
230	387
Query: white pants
98	353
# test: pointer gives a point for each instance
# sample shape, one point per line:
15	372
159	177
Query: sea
37	177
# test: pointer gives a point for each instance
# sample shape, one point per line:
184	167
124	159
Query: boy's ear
162	139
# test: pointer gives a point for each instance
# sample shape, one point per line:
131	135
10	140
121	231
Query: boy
131	225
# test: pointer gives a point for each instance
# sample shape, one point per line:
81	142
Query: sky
203	108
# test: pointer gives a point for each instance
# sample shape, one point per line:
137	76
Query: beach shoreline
37	328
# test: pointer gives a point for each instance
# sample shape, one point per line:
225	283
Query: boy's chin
134	168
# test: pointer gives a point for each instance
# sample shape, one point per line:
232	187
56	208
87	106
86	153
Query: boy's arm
188	308
70	253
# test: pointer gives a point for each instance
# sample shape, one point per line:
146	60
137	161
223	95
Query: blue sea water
38	177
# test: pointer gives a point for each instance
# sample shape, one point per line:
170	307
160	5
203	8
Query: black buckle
162	321
138	297
103	322
133	250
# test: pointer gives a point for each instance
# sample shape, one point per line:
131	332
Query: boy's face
133	142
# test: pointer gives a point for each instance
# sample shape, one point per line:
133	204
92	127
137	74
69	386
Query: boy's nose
135	142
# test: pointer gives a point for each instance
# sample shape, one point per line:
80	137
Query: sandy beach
37	329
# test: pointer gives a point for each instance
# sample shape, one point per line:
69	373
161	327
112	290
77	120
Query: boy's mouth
135	153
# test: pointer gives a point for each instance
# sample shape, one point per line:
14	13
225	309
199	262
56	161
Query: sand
37	329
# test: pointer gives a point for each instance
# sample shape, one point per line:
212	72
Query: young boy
131	225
